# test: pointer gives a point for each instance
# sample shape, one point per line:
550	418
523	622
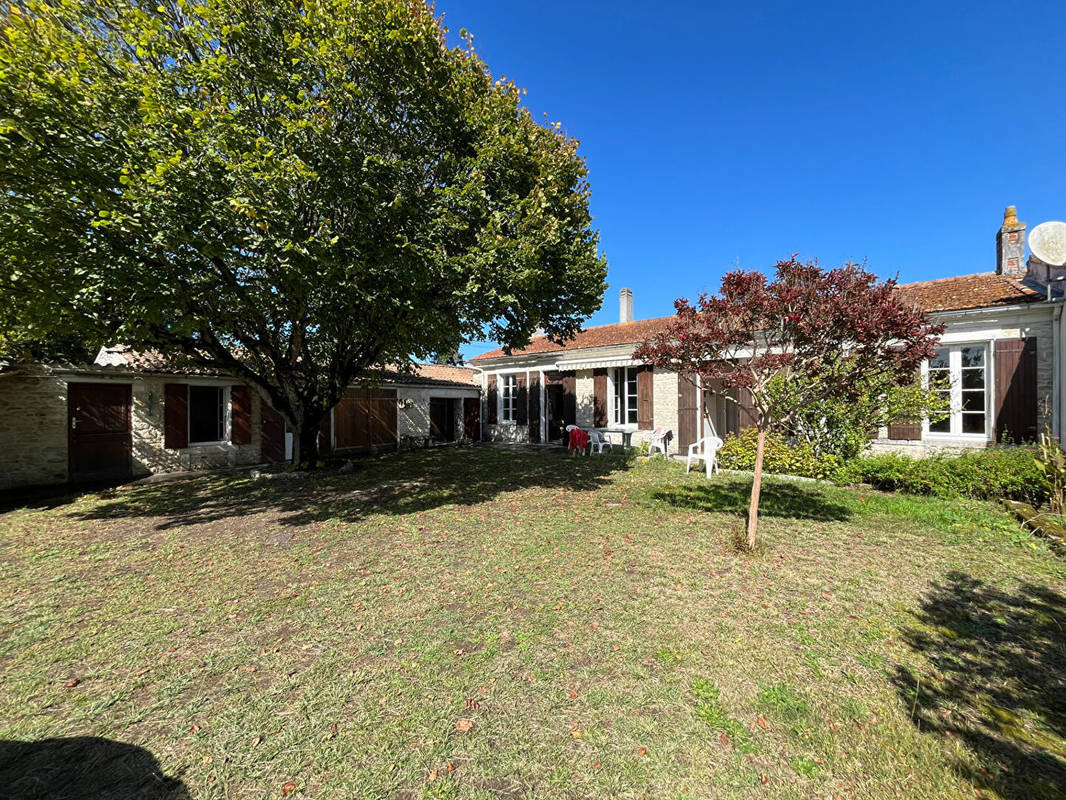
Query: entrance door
273	434
555	400
99	438
472	418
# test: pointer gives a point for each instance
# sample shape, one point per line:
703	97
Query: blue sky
722	134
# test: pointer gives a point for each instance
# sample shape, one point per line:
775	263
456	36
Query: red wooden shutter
492	402
599	398
521	414
645	399
1016	394
240	415
534	407
175	415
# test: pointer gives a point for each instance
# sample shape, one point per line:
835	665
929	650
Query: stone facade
150	455
33	430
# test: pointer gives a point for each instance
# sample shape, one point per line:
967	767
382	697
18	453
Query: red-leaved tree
807	336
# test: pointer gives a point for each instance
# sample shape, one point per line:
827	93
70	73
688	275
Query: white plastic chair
705	450
658	441
596	440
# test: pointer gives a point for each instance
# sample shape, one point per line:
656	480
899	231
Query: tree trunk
756	488
306	453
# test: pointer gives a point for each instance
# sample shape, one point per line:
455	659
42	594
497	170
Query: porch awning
597	363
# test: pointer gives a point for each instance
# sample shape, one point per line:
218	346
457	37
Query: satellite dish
1048	243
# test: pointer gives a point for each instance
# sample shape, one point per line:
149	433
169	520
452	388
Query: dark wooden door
555	400
472	418
273	434
100	438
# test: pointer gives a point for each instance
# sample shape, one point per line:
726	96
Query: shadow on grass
997	682
83	768
779	499
402	483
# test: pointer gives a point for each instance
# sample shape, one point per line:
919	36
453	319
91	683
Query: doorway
99	431
442	419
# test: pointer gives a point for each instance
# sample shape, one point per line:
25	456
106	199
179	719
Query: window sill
961	437
209	444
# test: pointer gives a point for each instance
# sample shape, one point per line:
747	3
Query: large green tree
292	191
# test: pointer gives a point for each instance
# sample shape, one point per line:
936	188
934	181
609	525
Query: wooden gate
99	431
366	418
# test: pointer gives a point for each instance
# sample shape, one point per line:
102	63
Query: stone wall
33	431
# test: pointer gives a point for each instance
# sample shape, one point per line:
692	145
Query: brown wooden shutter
175	416
688	414
1015	389
645	398
534	407
240	414
599	398
492	402
747	416
569	398
521	413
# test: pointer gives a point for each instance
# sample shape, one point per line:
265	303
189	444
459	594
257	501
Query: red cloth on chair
579	440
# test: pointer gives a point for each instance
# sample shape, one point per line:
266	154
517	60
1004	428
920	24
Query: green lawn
477	623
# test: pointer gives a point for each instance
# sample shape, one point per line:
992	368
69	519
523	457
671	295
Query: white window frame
227	415
955	374
617	417
508	391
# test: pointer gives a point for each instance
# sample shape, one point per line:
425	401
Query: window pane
973	357
205	413
973	423
973	401
939	359
941	426
973	379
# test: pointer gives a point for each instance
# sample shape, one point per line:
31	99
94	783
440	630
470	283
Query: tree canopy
291	192
805	337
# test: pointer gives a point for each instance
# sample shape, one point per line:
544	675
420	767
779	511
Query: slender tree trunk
756	489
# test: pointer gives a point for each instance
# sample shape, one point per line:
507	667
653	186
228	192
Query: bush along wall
1009	473
779	457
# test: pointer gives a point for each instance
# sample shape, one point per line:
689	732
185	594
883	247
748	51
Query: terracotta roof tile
122	357
599	336
983	290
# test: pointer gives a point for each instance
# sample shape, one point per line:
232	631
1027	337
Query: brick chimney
1010	245
625	306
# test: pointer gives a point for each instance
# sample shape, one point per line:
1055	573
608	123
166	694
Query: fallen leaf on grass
433	775
464	725
573	694
642	751
256	741
288	788
72	683
765	779
724	738
762	723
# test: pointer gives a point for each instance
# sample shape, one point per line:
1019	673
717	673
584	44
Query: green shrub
1010	473
779	457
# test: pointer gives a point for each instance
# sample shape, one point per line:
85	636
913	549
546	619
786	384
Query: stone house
132	414
1003	351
